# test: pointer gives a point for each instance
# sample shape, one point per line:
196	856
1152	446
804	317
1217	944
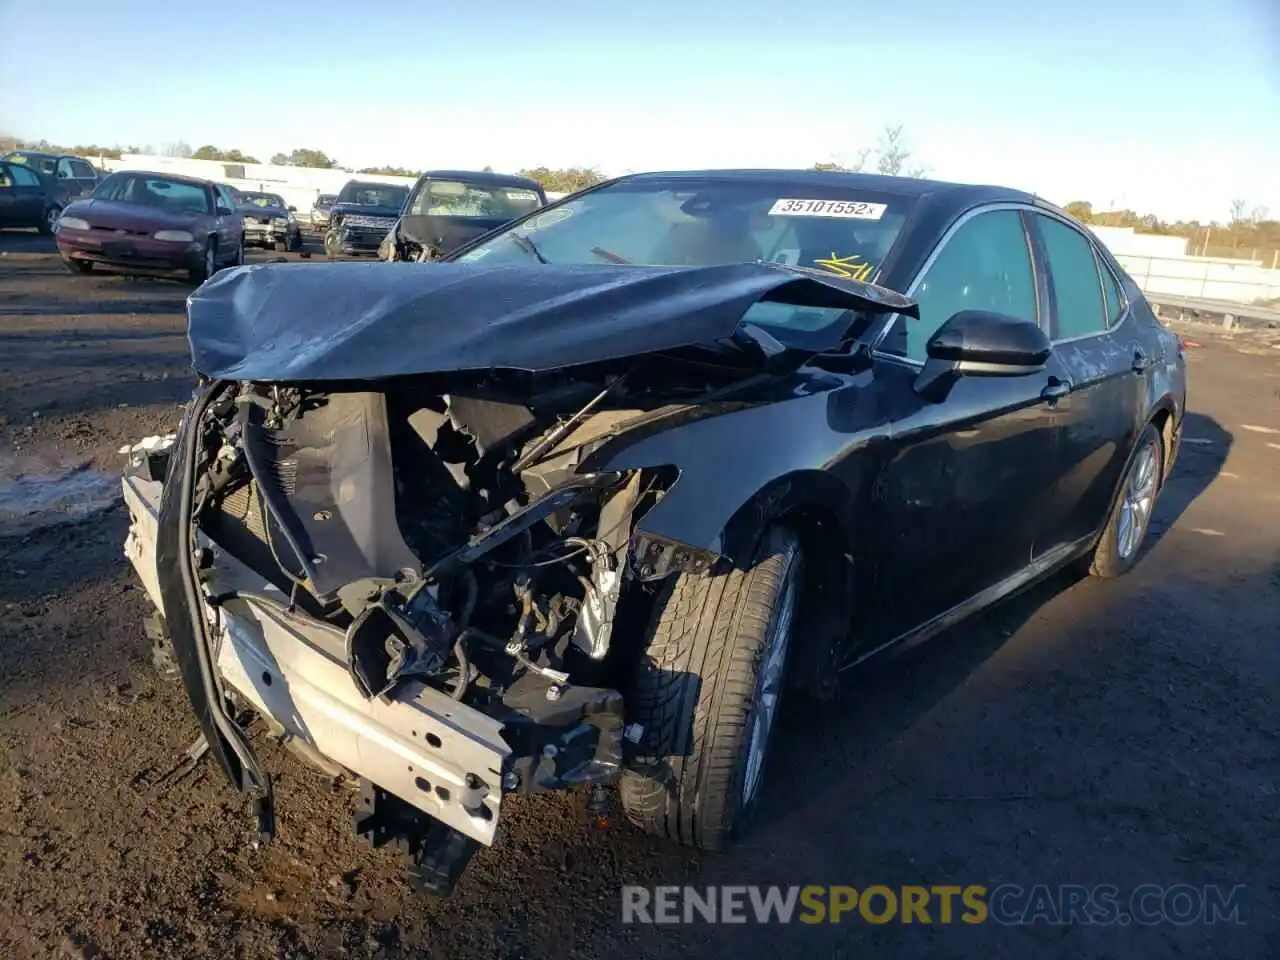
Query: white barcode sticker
847	209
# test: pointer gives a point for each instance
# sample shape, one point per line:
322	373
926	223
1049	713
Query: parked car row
149	221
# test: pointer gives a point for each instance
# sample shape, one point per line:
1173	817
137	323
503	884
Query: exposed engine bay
445	529
447	534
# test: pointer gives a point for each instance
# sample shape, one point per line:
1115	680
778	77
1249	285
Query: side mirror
977	343
224	211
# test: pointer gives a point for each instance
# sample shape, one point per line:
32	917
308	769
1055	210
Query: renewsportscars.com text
1007	904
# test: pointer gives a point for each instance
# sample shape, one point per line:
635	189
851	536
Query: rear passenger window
1076	285
1110	292
985	265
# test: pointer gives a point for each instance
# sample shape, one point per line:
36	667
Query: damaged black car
449	208
572	507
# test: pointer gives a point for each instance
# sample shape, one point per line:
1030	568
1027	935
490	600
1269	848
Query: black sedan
564	508
29	199
448	208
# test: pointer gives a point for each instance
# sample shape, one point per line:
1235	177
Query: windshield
700	222
175	196
260	200
455	198
325	200
45	165
374	194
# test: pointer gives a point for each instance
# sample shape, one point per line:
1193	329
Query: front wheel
706	695
50	220
207	266
1118	548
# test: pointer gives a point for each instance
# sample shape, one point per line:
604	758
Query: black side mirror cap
984	344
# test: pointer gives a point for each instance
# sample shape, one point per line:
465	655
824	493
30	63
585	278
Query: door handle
1055	389
1141	361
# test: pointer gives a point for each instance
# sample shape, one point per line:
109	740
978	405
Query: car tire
49	220
706	693
79	266
208	264
1118	548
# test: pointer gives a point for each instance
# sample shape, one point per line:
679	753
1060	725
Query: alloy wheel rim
769	683
1137	502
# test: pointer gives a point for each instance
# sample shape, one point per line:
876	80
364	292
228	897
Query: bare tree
178	148
1237	210
891	154
1259	214
892	151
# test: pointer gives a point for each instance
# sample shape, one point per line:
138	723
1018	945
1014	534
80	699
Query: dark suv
74	176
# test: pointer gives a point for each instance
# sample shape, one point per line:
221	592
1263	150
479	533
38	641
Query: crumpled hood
357	321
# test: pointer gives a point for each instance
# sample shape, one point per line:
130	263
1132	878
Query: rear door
957	503
1097	353
8	196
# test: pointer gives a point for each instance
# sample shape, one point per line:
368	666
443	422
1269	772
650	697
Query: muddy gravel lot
1089	732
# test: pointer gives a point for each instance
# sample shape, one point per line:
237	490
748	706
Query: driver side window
984	265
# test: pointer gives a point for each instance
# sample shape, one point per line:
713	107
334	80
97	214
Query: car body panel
367	321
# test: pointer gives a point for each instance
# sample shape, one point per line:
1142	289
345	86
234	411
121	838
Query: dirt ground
1089	732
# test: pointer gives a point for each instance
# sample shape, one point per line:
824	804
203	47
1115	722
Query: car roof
175	177
482	176
842	179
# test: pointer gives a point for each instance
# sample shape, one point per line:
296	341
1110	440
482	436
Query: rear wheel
706	694
1121	542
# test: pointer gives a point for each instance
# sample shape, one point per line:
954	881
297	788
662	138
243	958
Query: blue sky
1159	105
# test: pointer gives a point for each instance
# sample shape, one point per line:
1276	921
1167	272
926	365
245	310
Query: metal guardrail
1230	311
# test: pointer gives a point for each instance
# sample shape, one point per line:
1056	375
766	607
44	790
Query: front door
1096	353
28	196
957	502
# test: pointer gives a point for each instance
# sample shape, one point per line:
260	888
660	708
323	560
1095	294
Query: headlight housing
174	236
72	223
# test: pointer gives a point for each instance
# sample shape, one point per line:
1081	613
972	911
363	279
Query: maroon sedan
153	221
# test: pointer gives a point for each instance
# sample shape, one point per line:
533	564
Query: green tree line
1248	232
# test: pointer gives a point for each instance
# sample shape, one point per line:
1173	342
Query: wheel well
826	599
1162	420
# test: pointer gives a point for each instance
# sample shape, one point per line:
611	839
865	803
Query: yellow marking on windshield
849	267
